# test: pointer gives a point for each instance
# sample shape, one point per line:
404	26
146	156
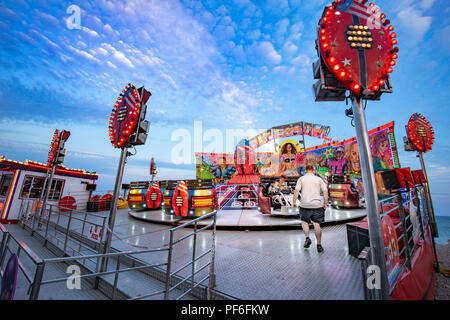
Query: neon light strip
10	195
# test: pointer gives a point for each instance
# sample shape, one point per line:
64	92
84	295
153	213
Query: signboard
390	248
124	117
357	46
290	130
420	132
53	148
95	232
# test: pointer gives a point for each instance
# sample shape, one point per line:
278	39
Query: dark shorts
315	215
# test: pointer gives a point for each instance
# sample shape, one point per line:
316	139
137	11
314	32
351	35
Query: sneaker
307	243
319	248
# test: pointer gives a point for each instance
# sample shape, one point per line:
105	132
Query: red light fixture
124	116
377	43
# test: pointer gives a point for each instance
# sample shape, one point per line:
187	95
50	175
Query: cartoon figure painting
352	154
381	152
268	169
288	160
337	165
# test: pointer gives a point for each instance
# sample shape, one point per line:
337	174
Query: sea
443	224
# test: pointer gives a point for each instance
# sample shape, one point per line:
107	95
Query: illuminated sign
357	45
420	132
289	130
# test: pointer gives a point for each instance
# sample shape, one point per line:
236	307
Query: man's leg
317	232
305	227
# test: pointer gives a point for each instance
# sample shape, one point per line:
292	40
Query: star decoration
339	21
379	63
381	33
379	47
334	43
346	62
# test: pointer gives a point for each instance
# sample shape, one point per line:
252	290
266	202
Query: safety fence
409	212
180	269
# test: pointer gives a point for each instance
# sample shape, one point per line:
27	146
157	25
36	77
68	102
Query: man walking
312	210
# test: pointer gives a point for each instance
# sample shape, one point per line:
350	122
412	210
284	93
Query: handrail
65	228
407	225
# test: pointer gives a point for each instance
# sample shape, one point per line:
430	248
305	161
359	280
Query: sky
213	65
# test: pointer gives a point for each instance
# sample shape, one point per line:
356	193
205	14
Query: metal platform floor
253	264
269	264
248	219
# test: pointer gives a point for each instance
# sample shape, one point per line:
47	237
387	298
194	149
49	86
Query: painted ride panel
144	195
189	198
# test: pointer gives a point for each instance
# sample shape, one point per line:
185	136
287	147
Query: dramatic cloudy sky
237	64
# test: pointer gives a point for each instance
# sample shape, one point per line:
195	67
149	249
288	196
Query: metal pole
434	229
169	265
370	192
112	213
46	192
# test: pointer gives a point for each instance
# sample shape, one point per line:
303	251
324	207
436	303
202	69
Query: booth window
5	182
32	188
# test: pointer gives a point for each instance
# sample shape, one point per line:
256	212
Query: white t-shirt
309	187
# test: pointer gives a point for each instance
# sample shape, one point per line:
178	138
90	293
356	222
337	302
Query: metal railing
33	276
178	282
409	231
72	231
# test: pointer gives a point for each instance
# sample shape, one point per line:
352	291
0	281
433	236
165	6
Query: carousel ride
247	182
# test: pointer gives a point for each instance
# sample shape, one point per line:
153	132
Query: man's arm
298	187
294	200
325	194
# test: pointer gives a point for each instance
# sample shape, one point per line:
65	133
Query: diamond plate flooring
254	265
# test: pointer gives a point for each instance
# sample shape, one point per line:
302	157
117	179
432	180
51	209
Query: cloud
122	59
415	25
426	4
266	50
84	54
89	32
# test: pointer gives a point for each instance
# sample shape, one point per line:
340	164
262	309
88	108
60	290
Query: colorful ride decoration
53	148
137	198
124	116
420	132
180	200
244	157
383	148
189	198
357	44
390	248
153	197
344	195
67	204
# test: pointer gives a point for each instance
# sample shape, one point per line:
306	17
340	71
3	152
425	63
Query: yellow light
350	38
360	39
366	28
368	45
353	44
363	45
370	39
